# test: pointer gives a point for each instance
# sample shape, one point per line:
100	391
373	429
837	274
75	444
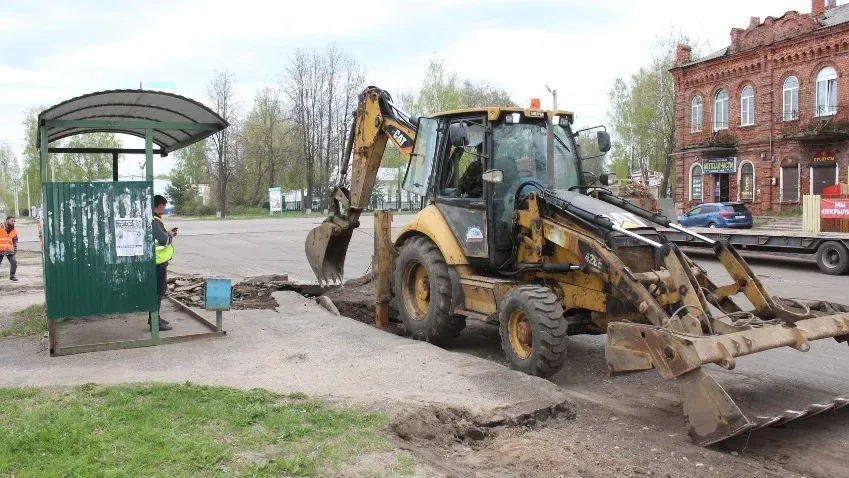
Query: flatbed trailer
831	249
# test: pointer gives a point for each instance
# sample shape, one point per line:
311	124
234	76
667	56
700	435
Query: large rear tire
422	289
833	258
533	330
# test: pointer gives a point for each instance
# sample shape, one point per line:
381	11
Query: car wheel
712	226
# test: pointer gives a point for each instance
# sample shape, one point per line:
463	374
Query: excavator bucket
679	347
326	247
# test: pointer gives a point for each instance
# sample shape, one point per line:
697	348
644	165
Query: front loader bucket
326	247
710	413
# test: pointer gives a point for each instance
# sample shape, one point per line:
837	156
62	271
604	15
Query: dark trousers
12	262
161	282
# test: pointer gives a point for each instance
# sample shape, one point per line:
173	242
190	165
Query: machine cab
472	163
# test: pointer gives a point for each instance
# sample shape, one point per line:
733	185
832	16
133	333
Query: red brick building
766	119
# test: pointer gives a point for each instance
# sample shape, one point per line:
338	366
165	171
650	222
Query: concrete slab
123	327
302	348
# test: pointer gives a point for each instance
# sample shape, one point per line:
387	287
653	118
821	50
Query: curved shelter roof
175	121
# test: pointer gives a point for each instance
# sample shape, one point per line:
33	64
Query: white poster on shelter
129	237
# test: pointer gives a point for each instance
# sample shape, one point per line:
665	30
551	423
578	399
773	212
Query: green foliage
30	321
643	113
183	194
10	179
443	91
177	430
87	166
31	160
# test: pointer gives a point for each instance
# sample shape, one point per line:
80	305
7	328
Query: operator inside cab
470	184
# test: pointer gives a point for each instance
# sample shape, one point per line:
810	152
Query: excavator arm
376	121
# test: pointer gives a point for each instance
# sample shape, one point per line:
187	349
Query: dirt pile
249	294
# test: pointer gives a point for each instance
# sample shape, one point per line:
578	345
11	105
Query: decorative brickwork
792	124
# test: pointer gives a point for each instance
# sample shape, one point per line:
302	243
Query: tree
643	114
31	159
183	194
10	178
442	91
265	144
75	167
322	91
221	92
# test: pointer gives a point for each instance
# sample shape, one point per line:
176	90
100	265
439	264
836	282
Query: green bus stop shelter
98	235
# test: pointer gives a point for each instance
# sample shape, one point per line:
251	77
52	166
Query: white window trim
751	106
817	82
784	90
690	185
716	101
696	126
754	179
811	177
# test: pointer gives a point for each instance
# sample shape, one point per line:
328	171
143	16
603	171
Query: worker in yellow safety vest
164	250
9	245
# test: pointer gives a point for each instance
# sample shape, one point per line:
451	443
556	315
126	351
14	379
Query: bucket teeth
790	416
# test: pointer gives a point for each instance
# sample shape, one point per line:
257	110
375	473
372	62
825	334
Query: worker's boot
13	278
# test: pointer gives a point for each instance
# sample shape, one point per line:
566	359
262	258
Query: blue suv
718	214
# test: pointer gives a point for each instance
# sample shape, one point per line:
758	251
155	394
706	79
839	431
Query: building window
790	184
826	93
790	108
696	182
696	120
747	106
747	181
720	110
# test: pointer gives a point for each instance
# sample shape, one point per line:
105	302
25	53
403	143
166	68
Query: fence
395	205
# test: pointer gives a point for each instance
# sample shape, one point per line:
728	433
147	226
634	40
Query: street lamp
553	94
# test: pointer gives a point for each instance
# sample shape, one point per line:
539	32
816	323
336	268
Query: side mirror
603	141
493	176
459	134
604	179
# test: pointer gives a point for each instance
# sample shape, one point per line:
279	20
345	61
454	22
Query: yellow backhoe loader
514	233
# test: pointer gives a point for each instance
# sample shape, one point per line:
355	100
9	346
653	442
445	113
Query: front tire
422	289
533	330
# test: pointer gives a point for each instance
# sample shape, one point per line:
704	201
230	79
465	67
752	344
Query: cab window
421	162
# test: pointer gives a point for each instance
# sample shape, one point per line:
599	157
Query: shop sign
824	157
834	208
719	165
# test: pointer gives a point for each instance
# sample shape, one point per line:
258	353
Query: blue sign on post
218	294
719	166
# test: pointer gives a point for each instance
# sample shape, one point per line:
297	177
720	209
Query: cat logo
399	137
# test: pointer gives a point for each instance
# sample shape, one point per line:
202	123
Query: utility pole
553	94
15	189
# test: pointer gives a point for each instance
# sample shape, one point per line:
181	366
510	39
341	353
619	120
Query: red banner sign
834	208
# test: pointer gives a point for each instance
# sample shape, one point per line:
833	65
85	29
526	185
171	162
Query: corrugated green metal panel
83	274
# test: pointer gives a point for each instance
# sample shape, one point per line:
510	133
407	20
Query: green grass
30	321
177	430
786	212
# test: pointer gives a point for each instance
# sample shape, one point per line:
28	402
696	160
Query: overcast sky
54	50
